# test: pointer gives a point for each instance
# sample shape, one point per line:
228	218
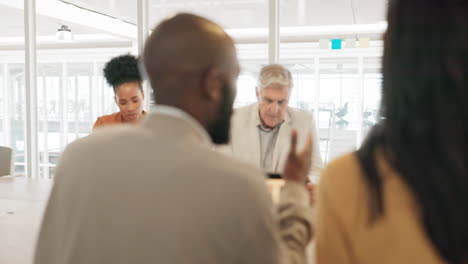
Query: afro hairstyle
122	69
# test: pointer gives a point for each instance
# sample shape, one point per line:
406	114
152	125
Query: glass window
344	97
372	93
339	96
15	125
341	88
71	90
345	92
12	84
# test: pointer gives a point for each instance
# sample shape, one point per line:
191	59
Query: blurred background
333	49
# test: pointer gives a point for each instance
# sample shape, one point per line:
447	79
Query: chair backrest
6	161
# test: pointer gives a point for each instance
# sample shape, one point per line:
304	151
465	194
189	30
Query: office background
52	53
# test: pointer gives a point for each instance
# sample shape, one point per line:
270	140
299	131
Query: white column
142	24
76	106
273	31
94	94
45	128
30	88
361	103
317	90
8	101
62	104
143	29
90	99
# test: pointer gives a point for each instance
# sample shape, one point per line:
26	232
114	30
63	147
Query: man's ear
257	93
212	84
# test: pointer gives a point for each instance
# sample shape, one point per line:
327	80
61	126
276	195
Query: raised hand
298	163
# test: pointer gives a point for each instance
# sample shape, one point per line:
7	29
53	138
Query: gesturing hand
298	163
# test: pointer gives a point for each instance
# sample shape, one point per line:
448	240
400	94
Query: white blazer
245	138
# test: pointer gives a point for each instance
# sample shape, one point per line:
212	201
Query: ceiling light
64	34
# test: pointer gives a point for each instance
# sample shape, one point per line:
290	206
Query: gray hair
274	74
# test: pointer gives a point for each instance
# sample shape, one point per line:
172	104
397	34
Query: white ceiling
11	21
12	24
122	9
229	13
250	13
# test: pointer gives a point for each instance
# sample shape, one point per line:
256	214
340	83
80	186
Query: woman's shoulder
114	118
347	164
344	176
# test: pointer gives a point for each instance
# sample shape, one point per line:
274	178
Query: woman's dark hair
424	130
122	69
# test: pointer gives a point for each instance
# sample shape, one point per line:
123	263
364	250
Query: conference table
22	203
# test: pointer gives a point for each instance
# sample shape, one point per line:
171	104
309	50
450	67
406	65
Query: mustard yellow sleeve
332	243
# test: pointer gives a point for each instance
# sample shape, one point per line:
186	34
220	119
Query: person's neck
269	127
194	110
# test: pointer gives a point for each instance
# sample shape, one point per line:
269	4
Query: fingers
293	142
306	153
307	150
310	189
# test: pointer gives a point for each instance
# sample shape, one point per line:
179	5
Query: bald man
158	192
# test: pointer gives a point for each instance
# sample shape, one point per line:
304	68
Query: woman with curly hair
123	75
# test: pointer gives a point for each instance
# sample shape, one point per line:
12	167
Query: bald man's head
192	64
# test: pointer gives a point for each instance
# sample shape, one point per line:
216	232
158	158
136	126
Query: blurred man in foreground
157	192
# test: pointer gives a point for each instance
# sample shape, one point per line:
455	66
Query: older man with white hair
260	133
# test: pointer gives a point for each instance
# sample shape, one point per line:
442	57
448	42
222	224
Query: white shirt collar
179	113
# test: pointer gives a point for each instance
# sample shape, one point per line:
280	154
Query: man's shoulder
243	115
229	165
119	131
140	137
109	137
299	115
245	109
298	111
225	167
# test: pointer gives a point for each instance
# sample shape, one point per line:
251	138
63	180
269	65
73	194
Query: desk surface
22	203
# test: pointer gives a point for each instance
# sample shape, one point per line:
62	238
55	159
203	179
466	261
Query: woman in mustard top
123	76
402	198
